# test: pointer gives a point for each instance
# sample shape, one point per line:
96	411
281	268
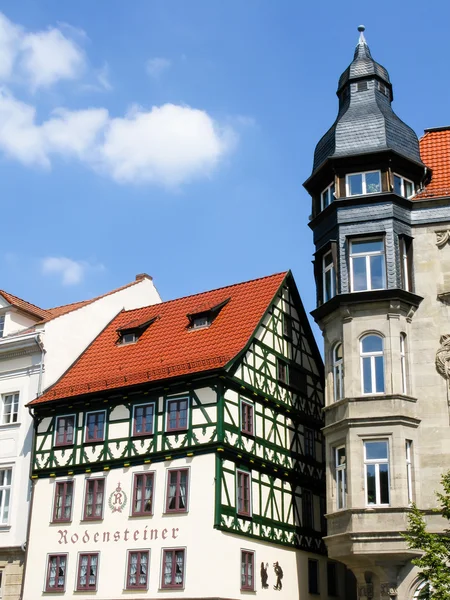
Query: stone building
181	456
381	227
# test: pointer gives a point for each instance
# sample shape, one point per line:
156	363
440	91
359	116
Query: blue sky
173	137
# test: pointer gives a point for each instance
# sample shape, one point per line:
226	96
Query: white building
181	456
36	346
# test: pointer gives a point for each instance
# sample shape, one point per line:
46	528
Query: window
173	568
327	196
246	417
201	321
128	338
341	477
244	500
93	500
323	512
2	325
95	426
310	449
408	447
313	576
406	262
87	572
137	572
376	464
403	362
143	415
177	490
329	277
10	408
367	265
360	184
383	89
372	364
307	509
247	570
338	373
62	505
331	579
177	414
64	428
56	573
362	86
403	187
298	379
287	326
5	494
143	485
282	371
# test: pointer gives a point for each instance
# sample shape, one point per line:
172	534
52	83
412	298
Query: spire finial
361	29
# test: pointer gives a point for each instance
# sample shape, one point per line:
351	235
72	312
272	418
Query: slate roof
169	347
435	152
365	122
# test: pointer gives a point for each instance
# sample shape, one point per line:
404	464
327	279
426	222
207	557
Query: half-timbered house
182	455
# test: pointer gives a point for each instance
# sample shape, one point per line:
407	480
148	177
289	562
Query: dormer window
200	321
128	338
132	331
360	184
327	196
403	187
204	315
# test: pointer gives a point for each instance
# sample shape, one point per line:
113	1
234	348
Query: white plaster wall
67	336
212	557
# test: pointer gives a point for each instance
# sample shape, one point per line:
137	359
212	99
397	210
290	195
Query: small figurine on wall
264	576
279	575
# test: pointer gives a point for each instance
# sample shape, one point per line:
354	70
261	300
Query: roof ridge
22	299
225	287
113	291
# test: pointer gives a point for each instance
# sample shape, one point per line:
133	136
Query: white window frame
331	196
2	333
6	467
325	270
402	185
338	374
364	184
341	475
367	256
372	355
405	265
377	462
13	394
408	451
403	363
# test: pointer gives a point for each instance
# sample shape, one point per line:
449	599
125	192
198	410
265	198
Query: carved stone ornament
442	237
388	590
443	357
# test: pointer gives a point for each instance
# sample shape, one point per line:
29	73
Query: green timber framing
274	454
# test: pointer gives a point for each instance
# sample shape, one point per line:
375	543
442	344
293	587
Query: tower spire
362	49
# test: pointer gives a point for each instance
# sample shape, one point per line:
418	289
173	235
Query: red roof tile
32	309
435	153
169	348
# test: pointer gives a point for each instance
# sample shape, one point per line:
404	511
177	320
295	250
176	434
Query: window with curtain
143	415
338	373
246	417
93	500
62	506
56	573
247	570
95	426
372	364
143	494
376	465
177	414
177	490
87	572
243	493
137	572
173	568
64	427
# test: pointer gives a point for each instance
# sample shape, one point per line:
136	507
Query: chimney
141	276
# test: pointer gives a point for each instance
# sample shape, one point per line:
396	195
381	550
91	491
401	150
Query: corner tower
381	227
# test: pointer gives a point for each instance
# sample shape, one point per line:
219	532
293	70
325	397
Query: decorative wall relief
279	575
264	576
117	500
442	237
443	363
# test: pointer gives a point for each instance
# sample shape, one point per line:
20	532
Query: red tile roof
32	309
169	348
435	153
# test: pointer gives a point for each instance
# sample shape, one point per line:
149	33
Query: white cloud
103	78
167	145
10	38
156	66
72	272
49	56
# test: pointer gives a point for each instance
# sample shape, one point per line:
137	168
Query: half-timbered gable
196	418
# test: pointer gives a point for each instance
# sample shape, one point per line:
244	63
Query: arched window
423	591
403	362
372	364
338	374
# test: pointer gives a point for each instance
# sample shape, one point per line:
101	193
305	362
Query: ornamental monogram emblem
117	500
